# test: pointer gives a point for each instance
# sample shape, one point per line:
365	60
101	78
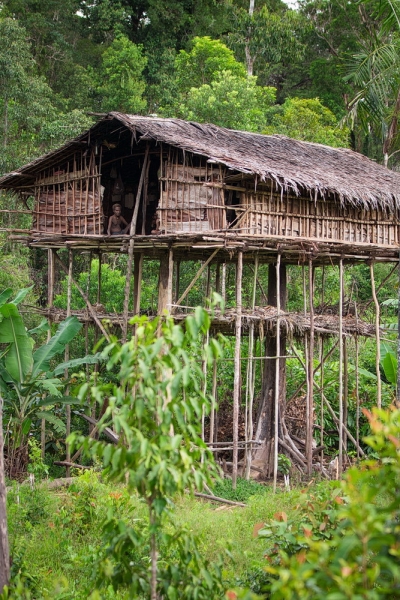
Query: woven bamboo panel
192	198
272	213
68	212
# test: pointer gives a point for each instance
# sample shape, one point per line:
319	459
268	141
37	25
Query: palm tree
375	71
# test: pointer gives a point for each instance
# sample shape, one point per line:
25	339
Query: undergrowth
244	489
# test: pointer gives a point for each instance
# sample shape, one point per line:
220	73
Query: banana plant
28	383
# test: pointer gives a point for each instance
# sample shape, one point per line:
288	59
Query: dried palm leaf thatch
319	171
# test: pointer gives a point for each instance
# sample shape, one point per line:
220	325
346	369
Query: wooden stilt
137	281
378	340
84	296
132	232
322	415
310	371
214	402
197	276
66	358
50	300
277	367
357	397
251	378
98	280
398	339
341	285
177	280
236	382
165	282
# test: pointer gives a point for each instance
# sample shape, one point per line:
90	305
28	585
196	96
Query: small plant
36	466
244	489
346	547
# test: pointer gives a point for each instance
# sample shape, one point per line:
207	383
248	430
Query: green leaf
21	295
91	359
51	400
6	295
389	365
66	331
26	425
51	418
18	360
43	326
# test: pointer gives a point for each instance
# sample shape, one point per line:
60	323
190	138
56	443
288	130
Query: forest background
324	72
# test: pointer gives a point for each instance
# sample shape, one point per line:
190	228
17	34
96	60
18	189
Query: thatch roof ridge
293	164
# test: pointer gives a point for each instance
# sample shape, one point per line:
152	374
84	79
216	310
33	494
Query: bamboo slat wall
192	198
269	212
68	199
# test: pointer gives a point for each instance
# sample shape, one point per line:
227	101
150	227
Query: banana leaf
66	331
18	360
43	326
91	359
58	424
21	295
5	296
389	364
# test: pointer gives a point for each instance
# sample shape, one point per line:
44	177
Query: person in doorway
116	223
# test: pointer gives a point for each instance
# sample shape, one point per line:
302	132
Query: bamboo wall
68	198
191	198
276	213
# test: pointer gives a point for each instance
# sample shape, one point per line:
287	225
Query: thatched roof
301	166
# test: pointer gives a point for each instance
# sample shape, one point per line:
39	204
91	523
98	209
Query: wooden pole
378	340
4	547
98	280
277	367
236	381
137	281
214	402
50	300
310	370
197	276
66	358
357	397
341	284
165	282
86	299
251	378
398	339
132	232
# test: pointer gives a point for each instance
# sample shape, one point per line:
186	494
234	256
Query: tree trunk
4	549
265	418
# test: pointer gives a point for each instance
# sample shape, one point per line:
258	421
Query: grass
56	536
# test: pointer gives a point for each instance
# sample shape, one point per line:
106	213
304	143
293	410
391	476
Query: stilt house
199	192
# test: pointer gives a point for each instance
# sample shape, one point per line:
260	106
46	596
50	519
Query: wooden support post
137	281
132	231
98	280
86	299
237	370
165	282
357	397
310	373
265	417
177	280
66	358
277	367
50	300
214	402
251	379
322	415
4	546
398	339
197	276
378	340
341	285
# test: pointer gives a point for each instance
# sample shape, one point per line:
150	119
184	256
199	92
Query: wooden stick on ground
218	499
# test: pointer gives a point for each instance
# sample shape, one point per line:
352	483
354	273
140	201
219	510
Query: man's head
116	209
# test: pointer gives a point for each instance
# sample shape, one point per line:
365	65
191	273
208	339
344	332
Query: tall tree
375	71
